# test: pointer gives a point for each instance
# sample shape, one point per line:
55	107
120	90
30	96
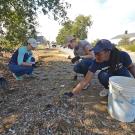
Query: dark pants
83	66
103	76
19	70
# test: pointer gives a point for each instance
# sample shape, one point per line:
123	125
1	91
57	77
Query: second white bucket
121	99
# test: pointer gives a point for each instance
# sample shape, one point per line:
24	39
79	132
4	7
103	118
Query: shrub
5	45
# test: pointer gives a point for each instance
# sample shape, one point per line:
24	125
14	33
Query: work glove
3	83
75	77
75	59
68	94
35	65
69	57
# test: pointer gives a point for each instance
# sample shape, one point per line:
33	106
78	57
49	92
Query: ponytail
114	59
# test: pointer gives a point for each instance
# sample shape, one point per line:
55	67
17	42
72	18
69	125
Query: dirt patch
35	106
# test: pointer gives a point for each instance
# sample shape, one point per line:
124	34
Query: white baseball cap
32	42
70	38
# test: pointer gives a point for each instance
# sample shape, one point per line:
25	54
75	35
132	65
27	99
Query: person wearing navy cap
111	62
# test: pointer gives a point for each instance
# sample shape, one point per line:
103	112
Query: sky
110	18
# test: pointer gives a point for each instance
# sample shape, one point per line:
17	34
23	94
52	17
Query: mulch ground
35	106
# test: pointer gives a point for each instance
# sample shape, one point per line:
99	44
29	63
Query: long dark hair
114	59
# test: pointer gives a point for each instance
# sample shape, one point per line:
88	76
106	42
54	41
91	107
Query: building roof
129	35
41	39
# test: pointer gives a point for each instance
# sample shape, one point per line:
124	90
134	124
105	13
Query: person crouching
22	61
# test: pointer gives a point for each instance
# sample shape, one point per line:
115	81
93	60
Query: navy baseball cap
101	45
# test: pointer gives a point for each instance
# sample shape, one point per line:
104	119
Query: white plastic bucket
121	99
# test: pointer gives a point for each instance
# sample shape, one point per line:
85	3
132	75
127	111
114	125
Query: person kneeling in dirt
111	62
83	55
22	62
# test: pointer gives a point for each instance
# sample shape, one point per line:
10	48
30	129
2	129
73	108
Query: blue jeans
19	70
83	66
103	76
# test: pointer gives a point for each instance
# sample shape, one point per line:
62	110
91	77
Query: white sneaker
86	87
17	77
104	93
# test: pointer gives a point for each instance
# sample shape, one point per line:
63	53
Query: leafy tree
19	16
5	45
93	43
81	25
79	28
65	31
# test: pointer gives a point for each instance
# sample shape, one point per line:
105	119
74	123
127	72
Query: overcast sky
110	18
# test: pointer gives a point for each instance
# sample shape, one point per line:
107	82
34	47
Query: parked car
54	45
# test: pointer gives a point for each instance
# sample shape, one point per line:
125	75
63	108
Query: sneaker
18	78
104	93
86	87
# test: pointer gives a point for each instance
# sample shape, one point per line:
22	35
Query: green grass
128	47
40	47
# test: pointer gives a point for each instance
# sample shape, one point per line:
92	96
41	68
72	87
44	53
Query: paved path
132	55
67	51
